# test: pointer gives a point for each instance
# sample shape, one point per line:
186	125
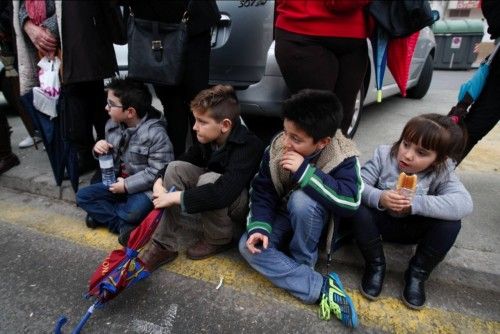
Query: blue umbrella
474	85
380	41
62	155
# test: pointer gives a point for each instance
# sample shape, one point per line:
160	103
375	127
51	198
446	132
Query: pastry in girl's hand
407	181
407	184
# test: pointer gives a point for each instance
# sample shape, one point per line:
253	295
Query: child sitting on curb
210	179
136	135
428	216
309	174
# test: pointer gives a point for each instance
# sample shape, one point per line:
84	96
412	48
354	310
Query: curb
465	267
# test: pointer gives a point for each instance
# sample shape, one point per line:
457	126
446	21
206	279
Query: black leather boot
421	265
373	277
7	158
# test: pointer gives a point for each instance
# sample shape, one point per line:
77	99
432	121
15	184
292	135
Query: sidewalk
473	262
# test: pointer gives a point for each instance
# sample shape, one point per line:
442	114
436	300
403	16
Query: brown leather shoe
202	249
7	162
155	256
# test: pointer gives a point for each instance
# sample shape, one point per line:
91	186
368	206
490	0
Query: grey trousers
218	226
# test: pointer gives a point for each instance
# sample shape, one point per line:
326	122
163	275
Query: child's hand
392	200
291	161
256	239
164	200
102	147
118	187
158	188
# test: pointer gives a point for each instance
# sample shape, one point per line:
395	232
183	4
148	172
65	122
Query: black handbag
156	50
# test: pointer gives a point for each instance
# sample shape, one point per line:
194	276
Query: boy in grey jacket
136	135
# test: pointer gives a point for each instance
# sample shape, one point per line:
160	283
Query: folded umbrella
379	40
120	270
61	153
399	55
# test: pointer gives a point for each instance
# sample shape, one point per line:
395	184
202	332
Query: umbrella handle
84	319
63	320
59	324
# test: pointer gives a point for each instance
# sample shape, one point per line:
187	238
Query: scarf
36	11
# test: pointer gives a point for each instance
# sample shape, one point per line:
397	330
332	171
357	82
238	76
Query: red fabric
138	238
36	11
399	54
328	18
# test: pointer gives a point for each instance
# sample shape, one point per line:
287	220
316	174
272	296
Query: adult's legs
352	55
485	112
7	158
305	63
83	105
176	99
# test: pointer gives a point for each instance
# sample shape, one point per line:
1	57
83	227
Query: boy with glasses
137	138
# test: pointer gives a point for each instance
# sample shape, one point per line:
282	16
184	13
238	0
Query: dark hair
317	112
131	93
220	100
437	133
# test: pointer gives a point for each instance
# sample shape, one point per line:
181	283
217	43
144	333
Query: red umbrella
120	270
400	52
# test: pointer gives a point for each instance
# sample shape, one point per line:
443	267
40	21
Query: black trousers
5	148
176	99
484	114
436	234
330	63
83	107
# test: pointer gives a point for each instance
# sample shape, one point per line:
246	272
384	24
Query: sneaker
29	141
335	300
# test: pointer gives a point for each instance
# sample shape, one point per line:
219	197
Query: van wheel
424	81
356	117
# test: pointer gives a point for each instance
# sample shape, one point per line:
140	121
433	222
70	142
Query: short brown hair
437	133
221	100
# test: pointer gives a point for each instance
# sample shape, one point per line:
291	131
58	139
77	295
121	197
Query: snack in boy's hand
407	184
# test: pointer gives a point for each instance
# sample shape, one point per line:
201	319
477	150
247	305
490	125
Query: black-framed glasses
111	104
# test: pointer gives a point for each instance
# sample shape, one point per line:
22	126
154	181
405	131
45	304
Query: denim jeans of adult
218	225
113	210
289	260
436	234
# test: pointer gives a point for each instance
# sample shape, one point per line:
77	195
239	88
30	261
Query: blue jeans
289	260
113	210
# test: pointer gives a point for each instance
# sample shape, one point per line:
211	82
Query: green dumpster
455	41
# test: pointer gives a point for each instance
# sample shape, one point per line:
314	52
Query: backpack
403	17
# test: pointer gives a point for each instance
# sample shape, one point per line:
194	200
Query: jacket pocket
138	154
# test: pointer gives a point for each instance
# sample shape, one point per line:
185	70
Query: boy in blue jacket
309	174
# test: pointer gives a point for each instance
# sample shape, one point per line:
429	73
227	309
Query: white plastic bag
45	97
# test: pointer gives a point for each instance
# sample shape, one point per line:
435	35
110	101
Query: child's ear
323	142
227	124
131	112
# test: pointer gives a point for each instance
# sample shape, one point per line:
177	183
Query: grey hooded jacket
438	195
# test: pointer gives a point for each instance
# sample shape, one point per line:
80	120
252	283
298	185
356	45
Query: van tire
356	117
424	81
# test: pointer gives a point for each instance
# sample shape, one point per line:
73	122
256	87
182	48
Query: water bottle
107	169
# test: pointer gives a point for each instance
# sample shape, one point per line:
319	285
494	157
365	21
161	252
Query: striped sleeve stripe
259	225
343	201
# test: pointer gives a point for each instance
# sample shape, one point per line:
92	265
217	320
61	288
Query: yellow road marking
387	314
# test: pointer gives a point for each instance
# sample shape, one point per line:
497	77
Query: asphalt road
48	255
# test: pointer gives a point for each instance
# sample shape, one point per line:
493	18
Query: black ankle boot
373	277
421	265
